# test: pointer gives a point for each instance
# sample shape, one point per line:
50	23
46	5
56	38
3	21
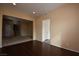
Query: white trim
63	48
14	43
67	48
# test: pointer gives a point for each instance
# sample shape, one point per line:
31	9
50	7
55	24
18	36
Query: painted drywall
0	30
64	27
10	11
1	12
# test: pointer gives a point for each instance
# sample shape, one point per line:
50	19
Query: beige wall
10	11
0	30
1	12
64	27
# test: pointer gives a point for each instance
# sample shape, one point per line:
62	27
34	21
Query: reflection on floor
15	40
35	48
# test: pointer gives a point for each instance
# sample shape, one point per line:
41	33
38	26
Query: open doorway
46	31
16	30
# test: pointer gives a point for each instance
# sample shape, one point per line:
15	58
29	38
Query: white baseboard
67	48
14	43
64	48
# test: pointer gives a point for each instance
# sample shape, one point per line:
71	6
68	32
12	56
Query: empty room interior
39	29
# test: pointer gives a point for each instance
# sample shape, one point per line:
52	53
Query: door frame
49	29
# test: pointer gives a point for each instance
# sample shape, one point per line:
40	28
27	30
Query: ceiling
39	8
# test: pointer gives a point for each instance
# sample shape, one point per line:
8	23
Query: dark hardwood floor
35	48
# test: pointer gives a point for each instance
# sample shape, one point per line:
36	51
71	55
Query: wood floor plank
35	48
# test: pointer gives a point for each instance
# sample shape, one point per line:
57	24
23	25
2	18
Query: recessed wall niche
16	29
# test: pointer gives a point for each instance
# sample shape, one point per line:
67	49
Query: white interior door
46	30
